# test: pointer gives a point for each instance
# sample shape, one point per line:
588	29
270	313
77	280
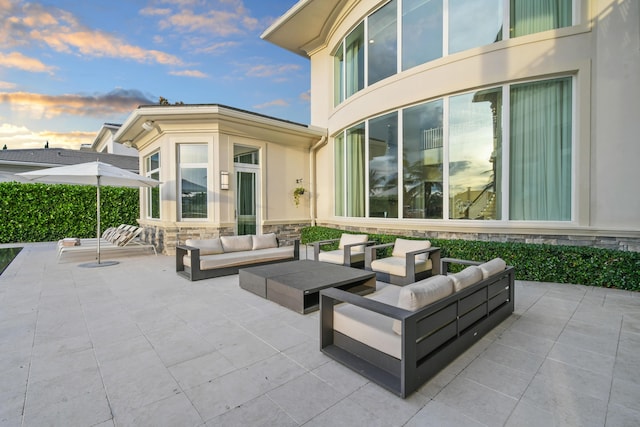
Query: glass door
246	200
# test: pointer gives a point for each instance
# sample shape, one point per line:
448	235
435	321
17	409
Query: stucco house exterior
224	171
505	120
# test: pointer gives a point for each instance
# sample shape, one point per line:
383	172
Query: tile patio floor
136	345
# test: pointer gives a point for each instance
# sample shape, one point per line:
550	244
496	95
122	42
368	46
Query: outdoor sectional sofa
400	337
201	259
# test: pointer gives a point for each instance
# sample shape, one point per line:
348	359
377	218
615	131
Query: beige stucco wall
284	158
602	53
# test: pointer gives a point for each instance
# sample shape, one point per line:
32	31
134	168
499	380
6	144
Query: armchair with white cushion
350	250
410	261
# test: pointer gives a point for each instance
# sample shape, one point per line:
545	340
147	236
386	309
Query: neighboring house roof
51	157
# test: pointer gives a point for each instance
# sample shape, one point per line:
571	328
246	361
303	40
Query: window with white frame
152	170
430	29
456	168
193	174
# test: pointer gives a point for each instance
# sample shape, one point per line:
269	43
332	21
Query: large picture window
383	43
422	159
474	23
421	32
383	166
413	32
475	155
193	161
467	132
152	168
354	64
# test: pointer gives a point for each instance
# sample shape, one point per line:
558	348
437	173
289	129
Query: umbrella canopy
92	173
88	174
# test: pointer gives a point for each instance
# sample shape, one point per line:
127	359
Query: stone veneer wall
606	242
165	239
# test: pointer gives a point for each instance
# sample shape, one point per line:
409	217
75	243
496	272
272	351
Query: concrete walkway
136	345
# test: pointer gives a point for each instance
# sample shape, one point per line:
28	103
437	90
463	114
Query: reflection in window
193	180
422	160
383	166
474	23
383	43
421	32
528	17
152	168
474	155
354	53
540	151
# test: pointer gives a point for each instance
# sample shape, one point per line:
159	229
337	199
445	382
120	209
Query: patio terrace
134	344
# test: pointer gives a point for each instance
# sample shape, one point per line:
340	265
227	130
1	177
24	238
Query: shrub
44	212
536	262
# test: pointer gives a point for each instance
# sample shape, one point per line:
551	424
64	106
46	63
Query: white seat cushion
372	329
492	267
466	277
206	246
337	256
402	246
230	259
397	266
420	294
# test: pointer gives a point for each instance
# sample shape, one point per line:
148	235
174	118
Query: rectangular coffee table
297	284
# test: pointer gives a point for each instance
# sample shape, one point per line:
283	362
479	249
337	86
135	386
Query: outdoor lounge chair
410	261
121	239
350	250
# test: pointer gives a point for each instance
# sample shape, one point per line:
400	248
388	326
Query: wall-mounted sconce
149	125
224	180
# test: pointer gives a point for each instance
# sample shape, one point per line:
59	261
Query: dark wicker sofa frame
195	273
432	337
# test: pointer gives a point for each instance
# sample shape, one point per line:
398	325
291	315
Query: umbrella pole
98	216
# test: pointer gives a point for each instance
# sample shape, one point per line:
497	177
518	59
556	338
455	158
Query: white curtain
540	156
533	16
355	172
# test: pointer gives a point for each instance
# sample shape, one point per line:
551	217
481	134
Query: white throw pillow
349	239
236	243
466	277
265	241
206	246
402	246
420	294
492	267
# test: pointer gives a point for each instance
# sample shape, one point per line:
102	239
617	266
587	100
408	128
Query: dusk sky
68	66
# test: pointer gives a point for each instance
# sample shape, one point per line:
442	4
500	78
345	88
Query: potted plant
299	191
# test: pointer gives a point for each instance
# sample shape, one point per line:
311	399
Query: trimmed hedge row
43	212
536	262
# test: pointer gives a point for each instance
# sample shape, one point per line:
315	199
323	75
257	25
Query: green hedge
44	212
542	263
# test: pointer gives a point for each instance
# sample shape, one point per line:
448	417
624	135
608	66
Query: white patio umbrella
92	173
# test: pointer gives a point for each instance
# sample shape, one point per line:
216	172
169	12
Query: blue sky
68	66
